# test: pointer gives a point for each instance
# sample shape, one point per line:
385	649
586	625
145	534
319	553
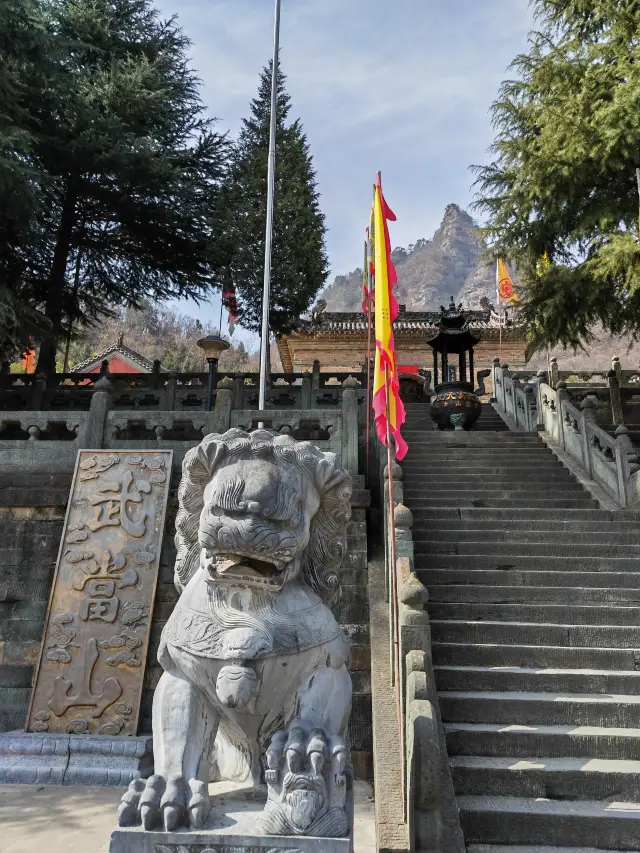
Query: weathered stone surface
90	673
254	660
230	828
56	759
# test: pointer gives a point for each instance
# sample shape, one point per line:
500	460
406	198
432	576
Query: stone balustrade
609	460
52	438
429	799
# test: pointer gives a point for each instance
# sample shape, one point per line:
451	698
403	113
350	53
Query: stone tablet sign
94	650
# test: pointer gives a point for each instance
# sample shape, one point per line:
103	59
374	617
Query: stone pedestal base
231	828
74	759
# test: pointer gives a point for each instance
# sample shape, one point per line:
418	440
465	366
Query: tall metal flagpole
271	176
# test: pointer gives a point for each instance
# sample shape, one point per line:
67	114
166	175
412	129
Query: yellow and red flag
388	408
506	290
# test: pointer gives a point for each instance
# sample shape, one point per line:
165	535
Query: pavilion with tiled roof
338	340
121	359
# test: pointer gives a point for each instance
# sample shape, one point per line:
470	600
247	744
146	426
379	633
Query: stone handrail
430	807
518	400
52	438
610	461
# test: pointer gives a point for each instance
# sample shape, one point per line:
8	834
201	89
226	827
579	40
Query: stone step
574	657
424	474
514	820
521	741
587	533
491	491
526	578
545	549
511	848
425	500
536	633
548	778
478	593
537	680
549	614
584	709
525	561
527	515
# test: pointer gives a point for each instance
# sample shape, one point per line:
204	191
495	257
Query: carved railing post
495	368
305	394
221	415
554	374
170	391
626	463
588	409
398	497
615	397
350	432
561	395
315	375
530	409
615	365
92	434
38	391
542	378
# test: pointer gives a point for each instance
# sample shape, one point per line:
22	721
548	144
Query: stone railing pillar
92	434
588	409
616	399
615	365
305	393
554	373
626	463
221	415
562	395
531	414
542	378
350	432
315	375
38	392
170	391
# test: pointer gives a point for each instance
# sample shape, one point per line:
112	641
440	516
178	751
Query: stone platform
74	759
231	828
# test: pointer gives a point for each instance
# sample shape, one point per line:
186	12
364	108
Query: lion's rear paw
307	783
171	803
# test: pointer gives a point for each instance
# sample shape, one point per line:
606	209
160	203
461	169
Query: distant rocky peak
430	271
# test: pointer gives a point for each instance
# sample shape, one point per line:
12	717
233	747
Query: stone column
555	373
615	397
561	395
350	432
221	415
93	434
588	409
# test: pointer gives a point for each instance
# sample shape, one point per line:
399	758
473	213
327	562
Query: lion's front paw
306	778
170	802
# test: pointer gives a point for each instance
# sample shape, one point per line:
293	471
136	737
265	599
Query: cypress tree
299	261
125	167
561	192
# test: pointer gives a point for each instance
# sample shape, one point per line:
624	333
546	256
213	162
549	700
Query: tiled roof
407	321
130	355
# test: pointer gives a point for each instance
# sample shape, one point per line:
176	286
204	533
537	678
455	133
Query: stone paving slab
54	819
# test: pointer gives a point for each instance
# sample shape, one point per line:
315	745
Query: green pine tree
561	193
125	167
299	261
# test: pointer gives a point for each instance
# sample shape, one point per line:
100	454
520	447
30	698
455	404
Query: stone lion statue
255	683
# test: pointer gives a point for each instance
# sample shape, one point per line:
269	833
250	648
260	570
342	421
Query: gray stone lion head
258	510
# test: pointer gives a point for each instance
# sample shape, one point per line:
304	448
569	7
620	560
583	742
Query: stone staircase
535	621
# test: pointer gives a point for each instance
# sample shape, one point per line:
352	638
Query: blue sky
403	86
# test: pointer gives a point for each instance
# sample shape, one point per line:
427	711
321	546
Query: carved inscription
91	669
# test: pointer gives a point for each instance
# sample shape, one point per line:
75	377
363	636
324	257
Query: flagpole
271	173
395	666
499	307
367	272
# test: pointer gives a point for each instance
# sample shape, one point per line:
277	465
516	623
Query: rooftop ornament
454	405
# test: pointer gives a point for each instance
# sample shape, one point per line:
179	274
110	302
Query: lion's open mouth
239	568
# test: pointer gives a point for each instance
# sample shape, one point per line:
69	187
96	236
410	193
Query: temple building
338	340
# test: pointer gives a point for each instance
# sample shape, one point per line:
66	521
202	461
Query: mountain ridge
430	271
